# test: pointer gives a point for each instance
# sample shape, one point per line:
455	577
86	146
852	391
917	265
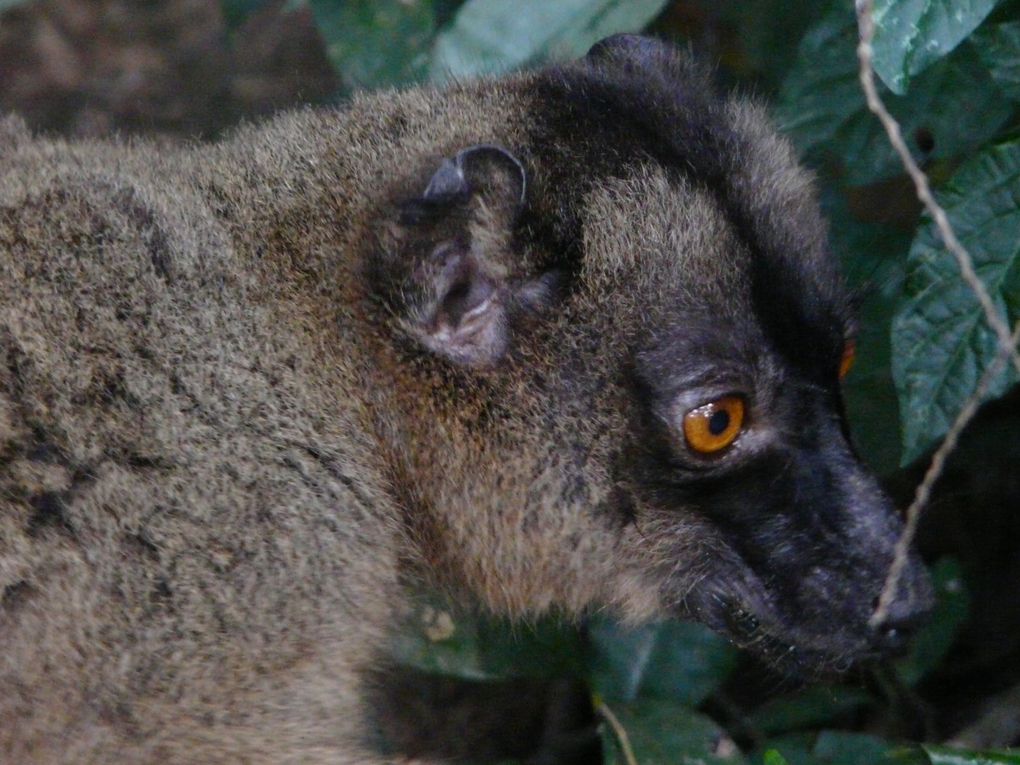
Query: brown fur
223	456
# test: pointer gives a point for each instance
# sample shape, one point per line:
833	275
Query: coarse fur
252	389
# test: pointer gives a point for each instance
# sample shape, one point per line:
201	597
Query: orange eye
847	362
713	426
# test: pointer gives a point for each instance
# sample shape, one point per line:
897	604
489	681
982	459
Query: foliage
377	43
664	732
490	36
682	662
911	35
655	680
941	342
942	755
951	109
999	48
951	70
822	107
380	43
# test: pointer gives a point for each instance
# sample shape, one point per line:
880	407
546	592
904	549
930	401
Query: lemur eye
847	362
712	427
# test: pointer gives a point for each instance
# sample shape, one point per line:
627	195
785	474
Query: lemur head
634	297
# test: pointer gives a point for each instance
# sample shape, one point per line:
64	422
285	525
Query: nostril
906	613
893	639
893	636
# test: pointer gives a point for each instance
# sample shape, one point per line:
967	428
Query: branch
1007	341
923	492
618	730
998	324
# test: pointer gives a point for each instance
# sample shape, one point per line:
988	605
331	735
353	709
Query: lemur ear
464	313
452	269
637	50
648	57
469	170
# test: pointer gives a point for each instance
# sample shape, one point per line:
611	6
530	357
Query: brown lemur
563	340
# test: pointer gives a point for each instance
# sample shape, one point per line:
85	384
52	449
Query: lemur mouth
752	623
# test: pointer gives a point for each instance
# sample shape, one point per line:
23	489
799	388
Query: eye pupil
714	425
718	422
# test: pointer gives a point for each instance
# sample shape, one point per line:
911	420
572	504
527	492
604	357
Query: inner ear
452	269
474	310
465	317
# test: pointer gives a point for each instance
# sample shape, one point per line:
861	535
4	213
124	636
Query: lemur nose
892	640
905	616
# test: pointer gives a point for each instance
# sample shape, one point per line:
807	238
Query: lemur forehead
668	235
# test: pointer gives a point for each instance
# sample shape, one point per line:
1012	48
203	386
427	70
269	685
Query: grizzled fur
250	390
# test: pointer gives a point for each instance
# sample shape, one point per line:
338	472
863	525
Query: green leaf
954	103
941	341
840	748
440	640
999	46
834	747
909	755
811	708
679	661
772	757
934	641
911	35
795	747
376	43
492	36
666	733
943	755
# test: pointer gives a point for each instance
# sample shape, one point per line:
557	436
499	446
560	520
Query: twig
618	730
1007	341
966	263
923	492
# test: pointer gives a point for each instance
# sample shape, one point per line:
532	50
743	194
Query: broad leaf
492	36
951	110
999	46
666	733
943	755
840	748
941	341
679	661
911	35
440	640
835	747
376	43
810	708
794	748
